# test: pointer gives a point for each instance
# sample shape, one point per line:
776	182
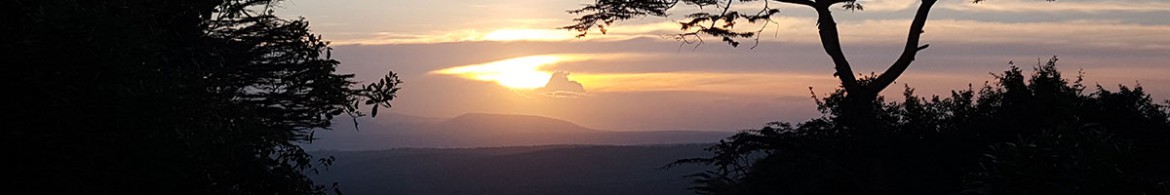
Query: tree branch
832	44
798	2
909	52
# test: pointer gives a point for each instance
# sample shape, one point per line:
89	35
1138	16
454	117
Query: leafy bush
1037	135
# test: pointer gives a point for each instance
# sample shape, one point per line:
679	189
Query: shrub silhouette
1037	135
169	97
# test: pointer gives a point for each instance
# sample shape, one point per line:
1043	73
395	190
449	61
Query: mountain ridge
569	169
511	123
488	130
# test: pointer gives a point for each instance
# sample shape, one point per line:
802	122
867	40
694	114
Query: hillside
487	130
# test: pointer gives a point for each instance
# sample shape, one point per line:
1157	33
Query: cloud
550	34
887	5
519	73
528	72
648	84
1022	6
1106	34
559	85
782	84
1096	33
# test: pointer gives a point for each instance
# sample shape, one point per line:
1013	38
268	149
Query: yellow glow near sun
528	35
516	73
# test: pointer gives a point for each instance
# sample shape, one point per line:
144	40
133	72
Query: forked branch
909	52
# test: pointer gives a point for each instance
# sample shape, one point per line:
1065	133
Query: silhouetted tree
858	122
861	93
1021	135
169	97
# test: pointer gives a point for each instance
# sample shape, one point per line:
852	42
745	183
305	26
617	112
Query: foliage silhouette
869	145
721	24
170	97
1035	135
859	111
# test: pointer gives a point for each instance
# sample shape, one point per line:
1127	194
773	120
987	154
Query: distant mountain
486	130
392	118
537	170
482	123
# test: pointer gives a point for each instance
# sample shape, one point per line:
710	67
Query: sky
509	57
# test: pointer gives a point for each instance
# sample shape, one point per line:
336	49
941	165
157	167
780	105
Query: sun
515	73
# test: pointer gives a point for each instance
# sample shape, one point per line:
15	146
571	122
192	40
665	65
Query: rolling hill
486	130
559	169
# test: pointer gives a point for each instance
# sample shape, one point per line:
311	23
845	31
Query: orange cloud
784	84
1023	6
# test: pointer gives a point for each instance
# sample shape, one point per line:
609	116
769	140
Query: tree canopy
1037	134
861	92
171	97
721	23
1020	135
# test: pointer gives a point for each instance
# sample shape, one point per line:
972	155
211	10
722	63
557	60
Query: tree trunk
860	116
827	28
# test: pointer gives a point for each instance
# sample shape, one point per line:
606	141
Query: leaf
374	111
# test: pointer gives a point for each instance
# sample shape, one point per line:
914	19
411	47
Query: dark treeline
168	97
1037	134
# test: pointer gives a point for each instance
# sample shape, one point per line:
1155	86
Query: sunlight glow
515	73
767	84
528	35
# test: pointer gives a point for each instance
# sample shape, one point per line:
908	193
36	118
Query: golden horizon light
528	35
515	73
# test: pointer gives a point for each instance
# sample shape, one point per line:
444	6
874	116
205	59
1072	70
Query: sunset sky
459	56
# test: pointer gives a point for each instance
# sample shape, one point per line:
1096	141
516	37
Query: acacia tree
855	141
861	92
170	97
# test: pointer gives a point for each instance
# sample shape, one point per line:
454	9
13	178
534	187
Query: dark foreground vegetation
1037	134
1022	134
215	96
167	97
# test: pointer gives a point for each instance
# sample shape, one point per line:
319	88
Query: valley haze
472	130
